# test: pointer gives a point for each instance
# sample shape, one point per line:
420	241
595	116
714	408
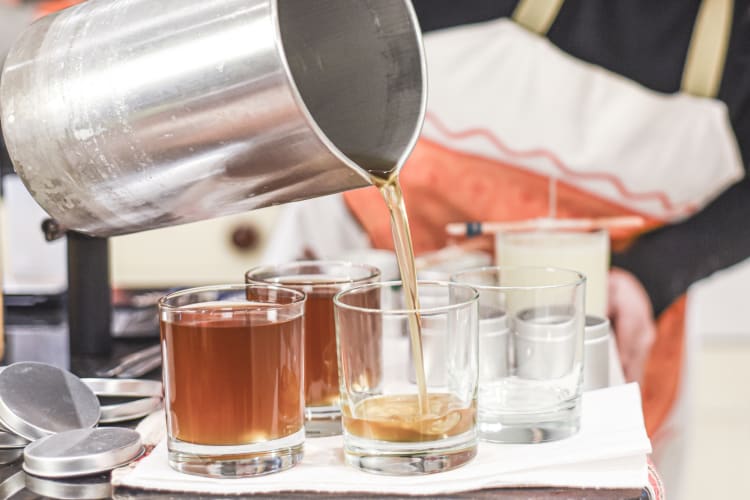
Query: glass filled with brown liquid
392	424
233	379
320	281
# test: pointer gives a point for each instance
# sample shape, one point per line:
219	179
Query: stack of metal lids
49	416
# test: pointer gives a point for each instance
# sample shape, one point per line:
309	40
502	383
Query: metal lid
82	452
492	320
546	323
111	387
12	485
122	412
596	328
72	489
9	456
10	441
150	392
37	400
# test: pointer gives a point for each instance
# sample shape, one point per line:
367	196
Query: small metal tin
11	441
37	400
493	344
543	341
436	343
82	452
84	488
596	353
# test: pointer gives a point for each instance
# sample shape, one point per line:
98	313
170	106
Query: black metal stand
89	295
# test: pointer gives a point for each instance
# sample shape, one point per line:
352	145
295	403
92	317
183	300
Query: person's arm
669	260
662	265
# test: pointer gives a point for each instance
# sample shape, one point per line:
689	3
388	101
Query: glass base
406	459
540	427
322	421
237	461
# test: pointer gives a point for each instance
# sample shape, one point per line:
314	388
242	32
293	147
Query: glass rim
402	312
556	230
373	273
298	297
579	279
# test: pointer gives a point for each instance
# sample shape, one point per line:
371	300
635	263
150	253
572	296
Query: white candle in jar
585	252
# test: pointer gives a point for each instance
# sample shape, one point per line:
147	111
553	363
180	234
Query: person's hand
633	322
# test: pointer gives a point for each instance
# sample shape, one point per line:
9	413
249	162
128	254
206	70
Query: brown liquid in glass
321	362
321	366
233	380
398	418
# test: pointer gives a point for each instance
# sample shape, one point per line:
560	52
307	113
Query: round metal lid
82	452
12	485
550	323
596	327
37	400
149	392
132	410
72	489
10	441
492	320
10	456
110	387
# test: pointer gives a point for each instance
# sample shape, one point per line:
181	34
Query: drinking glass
531	352
388	426
320	280
584	251
233	367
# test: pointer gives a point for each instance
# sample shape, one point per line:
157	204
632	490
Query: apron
507	111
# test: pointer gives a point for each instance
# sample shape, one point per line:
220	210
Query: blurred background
714	401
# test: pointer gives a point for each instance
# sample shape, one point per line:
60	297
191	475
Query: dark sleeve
669	260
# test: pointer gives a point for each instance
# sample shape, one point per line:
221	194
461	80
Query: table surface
86	366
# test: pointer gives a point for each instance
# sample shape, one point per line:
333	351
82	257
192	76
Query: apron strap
537	15
704	65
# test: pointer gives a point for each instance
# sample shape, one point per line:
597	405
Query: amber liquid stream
385	177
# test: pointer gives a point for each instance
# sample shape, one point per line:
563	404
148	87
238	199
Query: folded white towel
609	452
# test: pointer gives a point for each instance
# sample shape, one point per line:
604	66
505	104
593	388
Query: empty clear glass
531	326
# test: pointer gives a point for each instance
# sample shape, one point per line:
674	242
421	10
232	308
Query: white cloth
609	452
501	92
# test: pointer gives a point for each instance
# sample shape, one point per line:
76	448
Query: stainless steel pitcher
127	115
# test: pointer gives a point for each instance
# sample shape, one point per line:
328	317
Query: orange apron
51	6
